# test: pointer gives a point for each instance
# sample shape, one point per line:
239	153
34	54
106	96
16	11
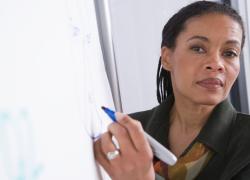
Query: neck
189	117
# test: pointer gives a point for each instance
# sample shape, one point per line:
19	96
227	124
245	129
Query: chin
209	100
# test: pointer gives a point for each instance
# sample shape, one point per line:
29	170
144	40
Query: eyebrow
233	42
203	38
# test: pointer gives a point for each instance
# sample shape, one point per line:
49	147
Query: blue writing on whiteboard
17	148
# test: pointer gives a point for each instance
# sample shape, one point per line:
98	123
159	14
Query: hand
134	161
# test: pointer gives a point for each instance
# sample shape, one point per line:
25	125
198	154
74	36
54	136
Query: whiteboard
52	84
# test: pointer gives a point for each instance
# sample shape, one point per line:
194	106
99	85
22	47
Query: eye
230	54
198	49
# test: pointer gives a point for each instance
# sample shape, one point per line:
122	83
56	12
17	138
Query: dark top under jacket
226	133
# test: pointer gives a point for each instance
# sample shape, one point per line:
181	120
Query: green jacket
226	133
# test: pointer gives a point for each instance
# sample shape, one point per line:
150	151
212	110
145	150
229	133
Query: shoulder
243	117
241	126
237	155
240	134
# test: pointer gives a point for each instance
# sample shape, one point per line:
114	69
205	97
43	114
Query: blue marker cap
110	113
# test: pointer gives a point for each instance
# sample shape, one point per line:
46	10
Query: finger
100	156
108	145
123	138
135	130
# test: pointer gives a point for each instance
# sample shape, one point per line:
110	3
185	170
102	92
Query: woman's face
205	61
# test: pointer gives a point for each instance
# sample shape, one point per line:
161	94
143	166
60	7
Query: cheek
183	73
233	72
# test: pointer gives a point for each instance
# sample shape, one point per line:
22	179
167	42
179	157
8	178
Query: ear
165	58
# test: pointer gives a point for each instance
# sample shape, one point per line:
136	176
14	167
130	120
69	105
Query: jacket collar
215	133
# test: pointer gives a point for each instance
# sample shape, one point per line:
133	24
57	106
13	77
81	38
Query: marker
159	150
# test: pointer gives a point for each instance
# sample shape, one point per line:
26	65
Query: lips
211	83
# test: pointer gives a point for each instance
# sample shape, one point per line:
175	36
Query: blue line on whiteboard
4	116
75	29
17	149
96	126
88	38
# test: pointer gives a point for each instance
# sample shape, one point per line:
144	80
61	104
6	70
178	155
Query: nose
215	64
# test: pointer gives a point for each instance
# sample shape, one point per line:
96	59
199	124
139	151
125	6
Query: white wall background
247	48
243	6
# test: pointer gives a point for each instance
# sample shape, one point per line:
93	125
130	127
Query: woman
201	47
